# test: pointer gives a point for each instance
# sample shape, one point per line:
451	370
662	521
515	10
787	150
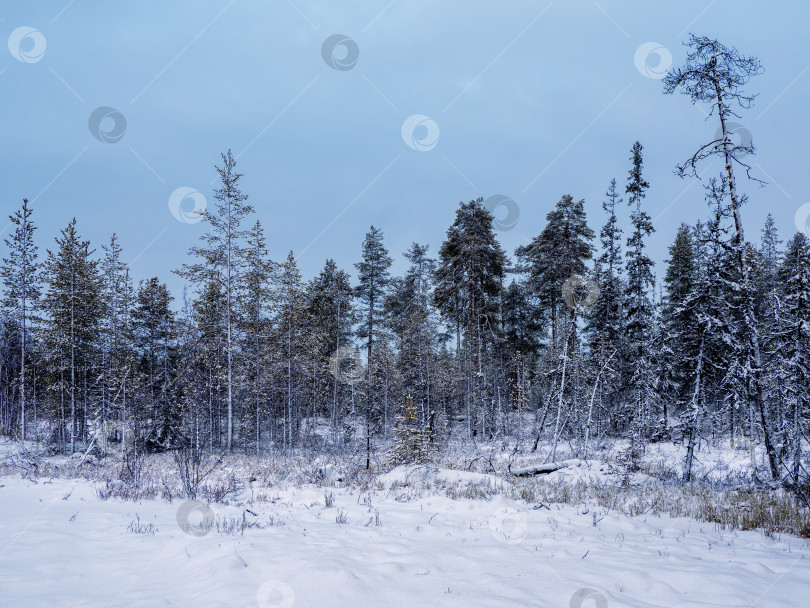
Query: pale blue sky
532	100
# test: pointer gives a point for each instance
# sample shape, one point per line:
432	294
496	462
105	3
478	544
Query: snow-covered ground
60	545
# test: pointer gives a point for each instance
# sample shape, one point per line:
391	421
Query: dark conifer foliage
793	339
329	322
21	279
558	253
638	304
469	282
72	304
374	284
606	319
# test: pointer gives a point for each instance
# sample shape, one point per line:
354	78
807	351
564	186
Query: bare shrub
131	483
193	467
220	490
23	460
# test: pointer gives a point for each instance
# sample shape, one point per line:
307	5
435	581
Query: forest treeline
573	328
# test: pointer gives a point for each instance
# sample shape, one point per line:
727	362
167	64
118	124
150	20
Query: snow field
60	545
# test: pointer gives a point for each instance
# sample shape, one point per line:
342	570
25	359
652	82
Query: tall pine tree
469	282
73	306
373	285
222	259
20	273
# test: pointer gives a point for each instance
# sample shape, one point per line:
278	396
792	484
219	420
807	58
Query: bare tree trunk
230	391
229	348
22	367
593	397
797	438
72	376
288	430
747	292
696	404
560	401
34	401
62	438
335	377
370	374
257	384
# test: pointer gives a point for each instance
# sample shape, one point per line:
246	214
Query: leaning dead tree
716	74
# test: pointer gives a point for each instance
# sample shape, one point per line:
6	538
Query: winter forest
573	329
573	378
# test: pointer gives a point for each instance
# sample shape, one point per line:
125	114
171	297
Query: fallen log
544	469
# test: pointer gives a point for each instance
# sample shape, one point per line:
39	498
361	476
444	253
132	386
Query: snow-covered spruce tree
154	329
254	306
206	379
72	305
469	281
767	284
118	355
557	255
606	319
329	319
658	372
21	278
698	322
732	393
388	384
412	321
793	317
716	74
221	259
413	442
765	279
678	320
604	327
521	342
373	285
738	399
640	313
290	345
189	378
